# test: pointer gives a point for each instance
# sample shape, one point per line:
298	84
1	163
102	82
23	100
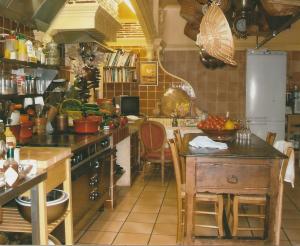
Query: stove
92	165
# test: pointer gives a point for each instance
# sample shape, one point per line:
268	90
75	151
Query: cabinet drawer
214	175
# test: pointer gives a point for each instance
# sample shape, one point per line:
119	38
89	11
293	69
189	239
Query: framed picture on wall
148	72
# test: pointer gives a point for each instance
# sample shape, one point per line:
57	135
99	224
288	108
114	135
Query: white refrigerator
265	92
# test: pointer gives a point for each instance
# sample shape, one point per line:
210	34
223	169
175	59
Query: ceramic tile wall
217	91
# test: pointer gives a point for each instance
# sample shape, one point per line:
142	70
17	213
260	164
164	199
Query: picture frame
148	72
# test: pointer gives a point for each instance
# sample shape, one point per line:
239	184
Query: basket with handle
215	35
278	9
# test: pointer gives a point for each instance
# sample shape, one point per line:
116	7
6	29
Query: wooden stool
217	200
256	200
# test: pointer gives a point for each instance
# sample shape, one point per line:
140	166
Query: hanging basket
277	9
215	35
190	10
223	4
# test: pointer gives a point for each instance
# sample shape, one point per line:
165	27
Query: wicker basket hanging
223	4
190	10
277	9
215	35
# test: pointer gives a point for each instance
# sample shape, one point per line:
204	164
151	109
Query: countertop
257	148
71	140
45	156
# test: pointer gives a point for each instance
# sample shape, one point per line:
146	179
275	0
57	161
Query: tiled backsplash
217	91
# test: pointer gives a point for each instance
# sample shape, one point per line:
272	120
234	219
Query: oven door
90	185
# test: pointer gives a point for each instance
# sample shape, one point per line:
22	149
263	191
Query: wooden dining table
250	167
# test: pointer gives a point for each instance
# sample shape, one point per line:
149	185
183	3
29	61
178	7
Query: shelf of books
120	67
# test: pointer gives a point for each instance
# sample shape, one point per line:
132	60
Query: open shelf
12	221
14	96
28	64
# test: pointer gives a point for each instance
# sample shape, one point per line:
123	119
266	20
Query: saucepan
86	125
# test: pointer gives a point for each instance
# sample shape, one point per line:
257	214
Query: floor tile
284	243
162	240
109	226
145	209
154	188
165	229
96	237
115	216
166	219
170	202
291	223
168	210
142	217
131	239
293	234
134	227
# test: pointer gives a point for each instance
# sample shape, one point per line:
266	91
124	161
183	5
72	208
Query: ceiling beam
288	2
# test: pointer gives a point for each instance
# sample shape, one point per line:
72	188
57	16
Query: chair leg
220	215
235	216
163	172
179	221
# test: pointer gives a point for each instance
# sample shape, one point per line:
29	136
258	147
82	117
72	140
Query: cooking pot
86	125
26	129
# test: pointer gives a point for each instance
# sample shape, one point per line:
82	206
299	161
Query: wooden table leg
39	215
67	186
190	191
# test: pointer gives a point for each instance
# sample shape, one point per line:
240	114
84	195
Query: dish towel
282	146
206	142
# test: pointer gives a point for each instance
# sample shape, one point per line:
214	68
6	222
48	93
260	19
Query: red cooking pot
85	125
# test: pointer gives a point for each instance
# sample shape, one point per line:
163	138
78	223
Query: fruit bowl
220	135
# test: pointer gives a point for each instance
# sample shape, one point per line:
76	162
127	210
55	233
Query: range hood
84	22
37	13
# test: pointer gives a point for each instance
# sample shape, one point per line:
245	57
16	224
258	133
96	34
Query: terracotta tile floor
146	214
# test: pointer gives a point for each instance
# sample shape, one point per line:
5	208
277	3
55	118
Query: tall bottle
11	168
10	138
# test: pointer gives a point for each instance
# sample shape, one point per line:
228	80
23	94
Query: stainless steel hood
38	13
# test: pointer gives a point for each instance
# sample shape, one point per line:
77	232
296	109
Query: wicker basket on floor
215	35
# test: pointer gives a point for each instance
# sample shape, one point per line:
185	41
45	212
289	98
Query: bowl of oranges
219	127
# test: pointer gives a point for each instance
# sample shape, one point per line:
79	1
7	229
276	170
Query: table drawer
214	175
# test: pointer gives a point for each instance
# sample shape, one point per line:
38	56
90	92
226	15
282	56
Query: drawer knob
232	179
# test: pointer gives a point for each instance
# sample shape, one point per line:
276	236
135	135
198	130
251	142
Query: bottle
2	129
10	138
11	168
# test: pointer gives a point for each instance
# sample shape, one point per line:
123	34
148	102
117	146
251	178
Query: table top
256	148
25	185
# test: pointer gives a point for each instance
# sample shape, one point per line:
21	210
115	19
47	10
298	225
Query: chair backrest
179	143
285	163
178	138
176	164
271	137
153	136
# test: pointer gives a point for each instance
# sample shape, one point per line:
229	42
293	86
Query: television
129	105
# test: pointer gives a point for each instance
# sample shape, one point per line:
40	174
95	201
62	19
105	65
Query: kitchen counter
74	141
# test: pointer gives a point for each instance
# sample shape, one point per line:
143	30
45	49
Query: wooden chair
199	197
179	142
153	145
256	200
270	139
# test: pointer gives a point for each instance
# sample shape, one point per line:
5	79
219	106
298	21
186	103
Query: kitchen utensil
15	117
51	114
86	126
57	203
40	124
61	122
172	100
26	129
